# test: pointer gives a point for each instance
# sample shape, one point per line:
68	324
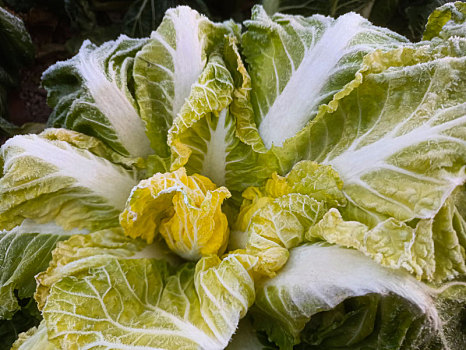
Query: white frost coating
30	226
187	58
317	276
114	104
290	110
374	156
214	164
100	176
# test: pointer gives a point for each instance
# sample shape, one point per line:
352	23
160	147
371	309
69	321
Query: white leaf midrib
113	104
100	176
214	163
352	163
188	55
288	114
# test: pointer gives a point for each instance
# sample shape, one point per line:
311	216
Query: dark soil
27	102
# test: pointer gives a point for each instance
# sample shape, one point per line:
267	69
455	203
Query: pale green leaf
143	303
59	175
299	63
166	69
25	251
432	250
81	252
34	339
318	278
400	151
91	93
211	135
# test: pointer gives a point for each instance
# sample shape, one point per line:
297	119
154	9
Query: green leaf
372	321
432	250
28	316
24	252
332	8
82	252
15	41
17	50
246	337
144	303
63	176
91	93
169	65
299	63
211	135
400	151
318	278
144	16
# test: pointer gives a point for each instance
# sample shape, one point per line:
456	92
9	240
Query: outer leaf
400	152
297	64
372	321
330	275
81	252
194	308
34	339
90	93
24	252
15	41
57	176
169	65
186	210
432	250
17	50
404	17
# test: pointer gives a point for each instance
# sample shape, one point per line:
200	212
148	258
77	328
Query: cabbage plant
289	183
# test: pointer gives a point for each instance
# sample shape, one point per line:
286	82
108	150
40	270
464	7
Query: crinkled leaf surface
447	21
185	210
166	69
140	303
81	252
91	93
298	63
60	176
275	218
212	134
400	152
432	250
25	251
